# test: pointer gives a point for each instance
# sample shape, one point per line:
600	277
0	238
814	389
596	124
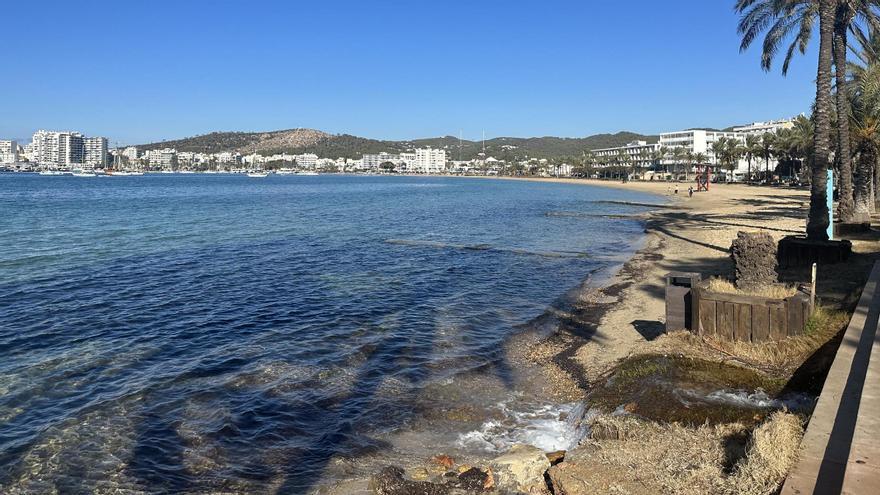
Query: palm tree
751	150
850	13
718	149
679	155
865	105
783	17
765	150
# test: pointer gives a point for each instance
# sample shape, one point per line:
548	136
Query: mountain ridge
325	145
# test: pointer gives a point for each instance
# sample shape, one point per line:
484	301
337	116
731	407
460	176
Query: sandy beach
692	235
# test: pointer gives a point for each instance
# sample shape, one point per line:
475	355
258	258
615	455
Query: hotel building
759	128
640	153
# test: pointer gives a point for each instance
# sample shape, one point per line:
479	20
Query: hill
348	146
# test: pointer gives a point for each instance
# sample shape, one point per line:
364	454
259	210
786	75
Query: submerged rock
521	470
391	481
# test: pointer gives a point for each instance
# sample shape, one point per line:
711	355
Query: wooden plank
760	323
778	322
795	309
707	317
743	328
839	450
725	320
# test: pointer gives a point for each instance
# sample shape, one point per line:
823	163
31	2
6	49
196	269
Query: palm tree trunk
863	200
844	154
817	222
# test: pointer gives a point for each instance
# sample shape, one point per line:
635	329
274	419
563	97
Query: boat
52	172
257	174
83	173
307	173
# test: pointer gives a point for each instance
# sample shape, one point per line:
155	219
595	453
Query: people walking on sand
676	189
691	192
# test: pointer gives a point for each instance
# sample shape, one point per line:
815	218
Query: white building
700	141
759	128
95	151
306	160
430	161
8	151
640	153
131	153
374	161
57	149
165	159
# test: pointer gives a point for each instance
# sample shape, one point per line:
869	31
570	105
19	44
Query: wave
630	203
549	427
578	214
488	247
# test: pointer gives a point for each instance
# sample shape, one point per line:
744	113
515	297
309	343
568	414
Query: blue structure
830	199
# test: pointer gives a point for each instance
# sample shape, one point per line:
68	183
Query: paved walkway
840	452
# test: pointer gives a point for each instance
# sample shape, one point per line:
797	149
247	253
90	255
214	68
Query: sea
215	333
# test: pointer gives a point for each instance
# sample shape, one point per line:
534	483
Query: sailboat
259	173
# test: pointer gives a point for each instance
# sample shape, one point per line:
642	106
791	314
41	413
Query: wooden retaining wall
750	318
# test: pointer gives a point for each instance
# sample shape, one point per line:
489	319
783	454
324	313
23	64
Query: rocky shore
668	413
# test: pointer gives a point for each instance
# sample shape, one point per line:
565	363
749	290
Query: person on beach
676	189
691	192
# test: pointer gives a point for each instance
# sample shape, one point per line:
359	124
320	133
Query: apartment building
131	153
95	151
58	149
8	151
372	161
306	160
164	159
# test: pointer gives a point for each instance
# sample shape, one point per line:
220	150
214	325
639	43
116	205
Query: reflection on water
213	334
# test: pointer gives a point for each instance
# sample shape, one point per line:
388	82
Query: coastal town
737	154
659	273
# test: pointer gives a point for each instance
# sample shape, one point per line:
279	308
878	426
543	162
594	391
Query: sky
143	71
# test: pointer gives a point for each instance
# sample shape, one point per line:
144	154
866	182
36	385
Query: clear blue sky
139	71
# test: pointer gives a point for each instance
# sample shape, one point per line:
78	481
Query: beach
751	401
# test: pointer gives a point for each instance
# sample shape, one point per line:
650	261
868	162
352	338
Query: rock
754	257
475	480
390	481
419	474
521	469
555	457
444	460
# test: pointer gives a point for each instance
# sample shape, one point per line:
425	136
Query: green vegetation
677	389
297	141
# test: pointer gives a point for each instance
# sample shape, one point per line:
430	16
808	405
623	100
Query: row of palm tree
792	22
